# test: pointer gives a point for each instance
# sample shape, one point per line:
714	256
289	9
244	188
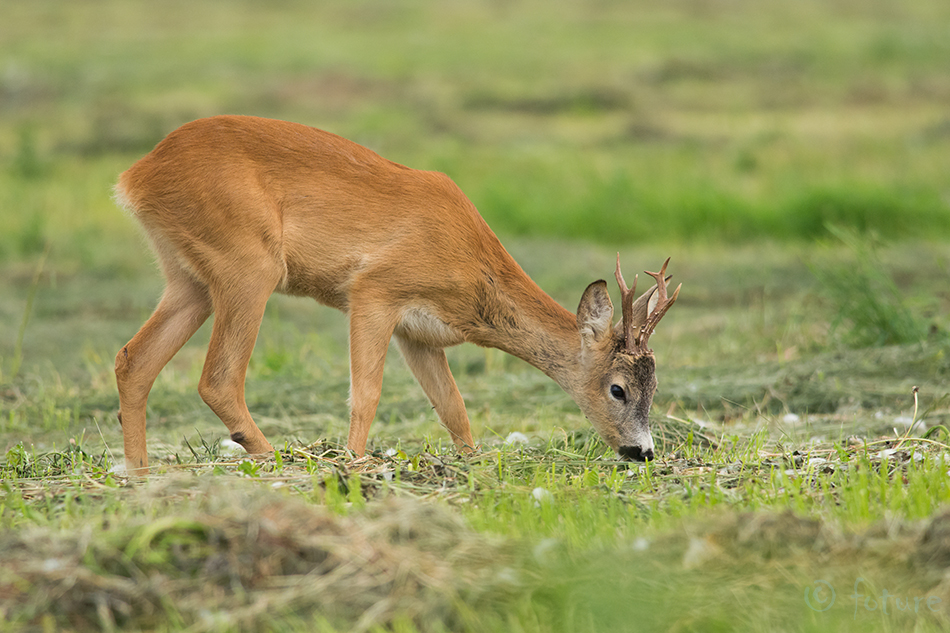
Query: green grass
871	310
794	453
551	537
615	120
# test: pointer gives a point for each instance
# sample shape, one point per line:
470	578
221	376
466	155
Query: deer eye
618	393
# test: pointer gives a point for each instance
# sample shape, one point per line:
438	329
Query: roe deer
239	207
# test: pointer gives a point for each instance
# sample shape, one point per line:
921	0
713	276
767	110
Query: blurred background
620	122
791	156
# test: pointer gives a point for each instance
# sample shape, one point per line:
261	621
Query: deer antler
626	306
636	335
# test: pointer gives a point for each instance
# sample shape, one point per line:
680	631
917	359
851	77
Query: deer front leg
431	369
371	328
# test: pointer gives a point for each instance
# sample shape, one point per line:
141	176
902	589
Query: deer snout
638	448
635	453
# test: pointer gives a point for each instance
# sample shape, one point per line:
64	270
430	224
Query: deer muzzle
641	452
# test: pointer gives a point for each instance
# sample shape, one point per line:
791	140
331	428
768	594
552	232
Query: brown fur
240	207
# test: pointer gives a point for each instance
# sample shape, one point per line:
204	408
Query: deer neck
514	315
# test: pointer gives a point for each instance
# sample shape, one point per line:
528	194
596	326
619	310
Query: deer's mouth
635	454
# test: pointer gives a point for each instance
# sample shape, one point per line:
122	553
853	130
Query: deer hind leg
184	306
239	308
431	369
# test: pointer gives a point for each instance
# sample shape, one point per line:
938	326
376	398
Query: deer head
619	367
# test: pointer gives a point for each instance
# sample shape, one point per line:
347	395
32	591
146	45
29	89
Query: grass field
792	158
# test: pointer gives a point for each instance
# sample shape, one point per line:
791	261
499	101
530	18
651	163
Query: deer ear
595	311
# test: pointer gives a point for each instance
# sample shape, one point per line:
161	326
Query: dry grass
204	553
234	556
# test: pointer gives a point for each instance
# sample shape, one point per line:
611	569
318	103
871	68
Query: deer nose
635	453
